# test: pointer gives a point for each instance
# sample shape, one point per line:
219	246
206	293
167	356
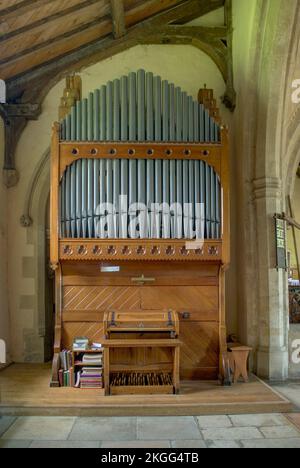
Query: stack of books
66	372
90	377
80	344
95	359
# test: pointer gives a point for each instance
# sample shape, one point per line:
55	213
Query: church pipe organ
140	184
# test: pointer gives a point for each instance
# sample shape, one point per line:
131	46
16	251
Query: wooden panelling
177	288
56	49
176	271
4	4
200	350
147	9
94	331
203	299
82	316
41	12
41	34
101	298
36	31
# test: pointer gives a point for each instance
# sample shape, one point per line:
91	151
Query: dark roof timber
165	27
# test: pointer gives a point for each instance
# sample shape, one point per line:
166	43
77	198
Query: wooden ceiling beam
41	36
118	18
22	7
83	49
208	40
186	11
6	32
53	49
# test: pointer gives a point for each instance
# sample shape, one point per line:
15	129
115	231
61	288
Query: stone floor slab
223	444
272	443
234	433
136	444
258	420
280	432
64	444
104	428
167	428
183	444
40	428
208	422
291	390
5	423
14	444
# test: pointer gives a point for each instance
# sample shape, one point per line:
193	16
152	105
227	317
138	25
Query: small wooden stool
238	361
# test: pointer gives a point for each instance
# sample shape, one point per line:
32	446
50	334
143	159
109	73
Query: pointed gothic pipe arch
141	108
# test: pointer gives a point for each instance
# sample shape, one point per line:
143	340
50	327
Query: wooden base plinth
25	390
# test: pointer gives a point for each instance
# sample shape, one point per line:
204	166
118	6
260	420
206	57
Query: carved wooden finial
72	94
206	97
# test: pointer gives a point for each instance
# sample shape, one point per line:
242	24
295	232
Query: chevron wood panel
200	350
85	302
101	298
93	331
203	299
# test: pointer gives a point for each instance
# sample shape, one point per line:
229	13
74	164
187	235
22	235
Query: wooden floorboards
24	390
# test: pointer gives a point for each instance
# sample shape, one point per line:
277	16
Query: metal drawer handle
186	315
142	280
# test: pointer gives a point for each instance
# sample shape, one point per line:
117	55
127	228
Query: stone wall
4	316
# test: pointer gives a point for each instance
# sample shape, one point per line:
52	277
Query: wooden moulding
141	250
149	390
72	151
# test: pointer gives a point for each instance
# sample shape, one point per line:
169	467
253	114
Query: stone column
272	357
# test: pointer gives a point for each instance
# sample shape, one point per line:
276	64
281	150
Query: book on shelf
89	377
96	346
80	343
65	360
66	378
92	358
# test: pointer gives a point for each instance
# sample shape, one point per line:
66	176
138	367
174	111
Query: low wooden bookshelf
78	364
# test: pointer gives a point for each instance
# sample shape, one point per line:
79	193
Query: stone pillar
272	357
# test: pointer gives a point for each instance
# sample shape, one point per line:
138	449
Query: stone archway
264	157
35	220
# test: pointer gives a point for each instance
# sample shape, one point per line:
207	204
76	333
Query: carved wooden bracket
15	117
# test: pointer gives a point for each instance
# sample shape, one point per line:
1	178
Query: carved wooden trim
72	93
72	151
139	249
15	117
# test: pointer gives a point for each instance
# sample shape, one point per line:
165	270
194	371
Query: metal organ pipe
162	199
140	107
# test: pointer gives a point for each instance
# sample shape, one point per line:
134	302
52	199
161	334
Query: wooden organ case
140	216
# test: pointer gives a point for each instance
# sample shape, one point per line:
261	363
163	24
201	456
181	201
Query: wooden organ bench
140	217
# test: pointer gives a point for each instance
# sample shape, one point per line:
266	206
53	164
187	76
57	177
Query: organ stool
238	358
